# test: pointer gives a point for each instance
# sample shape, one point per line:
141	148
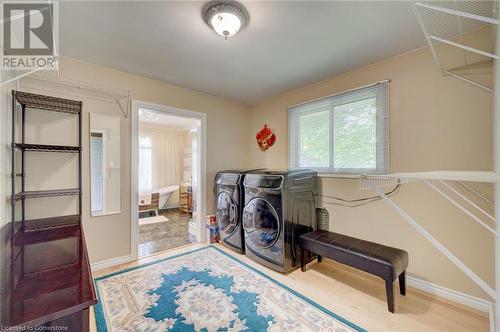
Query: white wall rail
462	196
121	97
476	193
462	208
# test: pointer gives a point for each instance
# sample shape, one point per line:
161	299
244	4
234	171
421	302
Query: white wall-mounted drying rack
445	23
376	182
122	97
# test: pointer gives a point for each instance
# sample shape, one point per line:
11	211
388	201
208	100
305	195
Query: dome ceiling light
227	18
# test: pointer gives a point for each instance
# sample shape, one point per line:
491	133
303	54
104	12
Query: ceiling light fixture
227	18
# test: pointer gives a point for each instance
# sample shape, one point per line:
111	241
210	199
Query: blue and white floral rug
206	290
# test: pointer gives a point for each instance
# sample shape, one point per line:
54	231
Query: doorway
168	187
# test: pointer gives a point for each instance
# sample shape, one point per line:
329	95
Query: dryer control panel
266	182
228	179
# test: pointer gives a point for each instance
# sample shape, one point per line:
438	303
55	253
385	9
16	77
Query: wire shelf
47	148
31	100
47	193
461	35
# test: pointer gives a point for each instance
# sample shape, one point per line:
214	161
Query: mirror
105	179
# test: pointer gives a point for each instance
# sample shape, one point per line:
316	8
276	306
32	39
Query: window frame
379	91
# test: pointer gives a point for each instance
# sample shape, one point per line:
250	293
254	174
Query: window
97	173
145	164
344	133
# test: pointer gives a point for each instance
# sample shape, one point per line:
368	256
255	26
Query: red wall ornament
265	138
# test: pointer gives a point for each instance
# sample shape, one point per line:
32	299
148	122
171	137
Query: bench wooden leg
390	295
320	258
402	283
303	253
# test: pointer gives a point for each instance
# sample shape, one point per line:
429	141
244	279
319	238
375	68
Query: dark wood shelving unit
48	281
33	101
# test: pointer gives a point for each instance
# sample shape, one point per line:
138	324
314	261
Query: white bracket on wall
373	181
447	24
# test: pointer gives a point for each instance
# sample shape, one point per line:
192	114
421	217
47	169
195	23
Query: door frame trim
201	195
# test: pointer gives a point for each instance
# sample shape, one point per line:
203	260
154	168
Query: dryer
279	207
228	189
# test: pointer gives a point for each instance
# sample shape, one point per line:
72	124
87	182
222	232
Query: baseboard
193	232
110	262
449	294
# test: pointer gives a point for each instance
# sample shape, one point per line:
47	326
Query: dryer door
261	223
227	212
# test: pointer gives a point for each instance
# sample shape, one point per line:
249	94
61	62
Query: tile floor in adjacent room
357	296
154	238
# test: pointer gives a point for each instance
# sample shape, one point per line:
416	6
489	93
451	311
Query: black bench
383	261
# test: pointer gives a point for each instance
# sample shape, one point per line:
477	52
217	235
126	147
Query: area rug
152	220
206	290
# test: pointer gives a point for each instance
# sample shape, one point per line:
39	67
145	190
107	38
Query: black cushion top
368	256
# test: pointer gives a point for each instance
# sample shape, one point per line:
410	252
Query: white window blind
343	133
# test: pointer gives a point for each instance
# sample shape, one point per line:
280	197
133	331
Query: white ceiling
157	119
287	44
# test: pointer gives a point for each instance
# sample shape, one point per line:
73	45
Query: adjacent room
167	145
250	165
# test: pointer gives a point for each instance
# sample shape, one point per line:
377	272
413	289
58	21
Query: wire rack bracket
461	36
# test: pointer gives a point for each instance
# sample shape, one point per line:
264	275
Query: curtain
160	158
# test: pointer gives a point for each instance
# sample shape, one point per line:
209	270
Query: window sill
339	175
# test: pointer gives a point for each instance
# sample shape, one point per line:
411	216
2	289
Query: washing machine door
227	212
261	223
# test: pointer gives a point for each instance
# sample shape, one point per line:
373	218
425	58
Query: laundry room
250	166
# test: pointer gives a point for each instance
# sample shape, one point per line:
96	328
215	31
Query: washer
279	207
228	188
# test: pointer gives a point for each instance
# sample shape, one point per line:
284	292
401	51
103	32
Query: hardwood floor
358	297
